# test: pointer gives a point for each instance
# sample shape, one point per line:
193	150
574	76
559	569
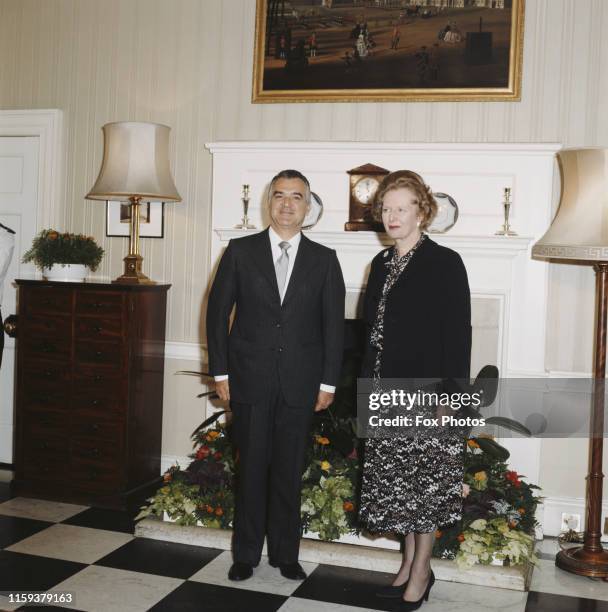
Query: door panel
18	205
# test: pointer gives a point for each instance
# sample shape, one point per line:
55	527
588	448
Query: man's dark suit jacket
300	338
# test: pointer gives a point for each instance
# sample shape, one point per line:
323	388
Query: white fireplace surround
500	269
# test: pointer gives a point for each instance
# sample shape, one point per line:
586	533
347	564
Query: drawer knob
48	373
97	378
95	426
10	326
98	353
95	402
97	305
97	328
46	347
44	446
94	452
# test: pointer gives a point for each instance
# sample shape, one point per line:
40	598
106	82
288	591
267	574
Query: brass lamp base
584	563
133	274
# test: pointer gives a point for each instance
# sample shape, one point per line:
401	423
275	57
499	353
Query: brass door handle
10	326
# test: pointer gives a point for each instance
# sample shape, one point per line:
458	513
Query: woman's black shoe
408	606
391	592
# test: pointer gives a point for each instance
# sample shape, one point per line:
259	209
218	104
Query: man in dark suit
281	359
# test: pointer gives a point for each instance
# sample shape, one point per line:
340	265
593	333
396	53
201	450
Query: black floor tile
14	528
102	518
346	586
196	596
6	492
20	572
541	602
160	558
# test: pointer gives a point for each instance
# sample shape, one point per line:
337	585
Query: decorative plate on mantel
447	214
315	212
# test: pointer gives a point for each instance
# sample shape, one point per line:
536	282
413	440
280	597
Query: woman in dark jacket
418	314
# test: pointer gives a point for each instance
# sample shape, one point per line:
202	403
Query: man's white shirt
294	242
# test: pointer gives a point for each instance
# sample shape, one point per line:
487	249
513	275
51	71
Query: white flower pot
69	273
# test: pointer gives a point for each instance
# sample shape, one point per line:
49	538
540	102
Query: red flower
513	478
217	455
203	452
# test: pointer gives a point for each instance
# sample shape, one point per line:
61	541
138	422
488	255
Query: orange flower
322	440
52	235
209	509
512	524
522	511
348	506
472	443
167	477
460	537
438	534
219	512
212	435
479	476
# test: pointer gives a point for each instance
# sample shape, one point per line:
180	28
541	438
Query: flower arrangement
51	247
203	493
498	512
498	505
487	540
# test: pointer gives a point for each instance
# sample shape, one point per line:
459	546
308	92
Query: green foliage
51	247
486	540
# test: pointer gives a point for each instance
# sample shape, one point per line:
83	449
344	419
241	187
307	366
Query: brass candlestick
506	228
245	223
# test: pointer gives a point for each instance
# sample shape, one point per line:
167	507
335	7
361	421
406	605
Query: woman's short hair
406	179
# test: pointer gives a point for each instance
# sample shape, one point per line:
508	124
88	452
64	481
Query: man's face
288	206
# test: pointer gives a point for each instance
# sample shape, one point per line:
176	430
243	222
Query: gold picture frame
345	51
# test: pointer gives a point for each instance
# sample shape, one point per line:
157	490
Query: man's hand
324	400
222	388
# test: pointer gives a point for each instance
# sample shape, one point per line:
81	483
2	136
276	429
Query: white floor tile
5	604
547	578
265	578
72	543
296	604
105	589
40	509
457	597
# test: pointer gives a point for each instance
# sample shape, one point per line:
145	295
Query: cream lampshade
135	167
580	232
580	227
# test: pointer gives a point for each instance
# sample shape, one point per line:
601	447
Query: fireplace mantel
503	277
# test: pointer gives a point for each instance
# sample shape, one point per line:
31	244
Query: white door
18	205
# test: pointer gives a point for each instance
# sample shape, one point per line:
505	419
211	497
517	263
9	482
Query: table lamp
579	233
135	167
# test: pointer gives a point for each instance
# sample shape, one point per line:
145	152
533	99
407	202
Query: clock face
365	189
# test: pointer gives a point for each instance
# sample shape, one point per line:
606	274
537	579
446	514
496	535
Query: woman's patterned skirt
412	484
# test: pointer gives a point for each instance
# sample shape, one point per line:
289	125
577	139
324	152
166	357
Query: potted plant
64	256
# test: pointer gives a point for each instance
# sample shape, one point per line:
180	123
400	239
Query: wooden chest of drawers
89	389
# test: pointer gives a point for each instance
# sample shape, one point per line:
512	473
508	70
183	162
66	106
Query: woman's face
400	213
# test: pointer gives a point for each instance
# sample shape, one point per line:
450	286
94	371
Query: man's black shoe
293	571
240	571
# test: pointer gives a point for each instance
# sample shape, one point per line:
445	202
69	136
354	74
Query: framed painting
388	50
151	219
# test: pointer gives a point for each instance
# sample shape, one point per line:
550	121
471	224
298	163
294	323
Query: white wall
188	63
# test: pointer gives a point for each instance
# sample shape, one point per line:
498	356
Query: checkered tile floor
92	553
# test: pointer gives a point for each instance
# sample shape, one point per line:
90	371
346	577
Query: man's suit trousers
271	438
